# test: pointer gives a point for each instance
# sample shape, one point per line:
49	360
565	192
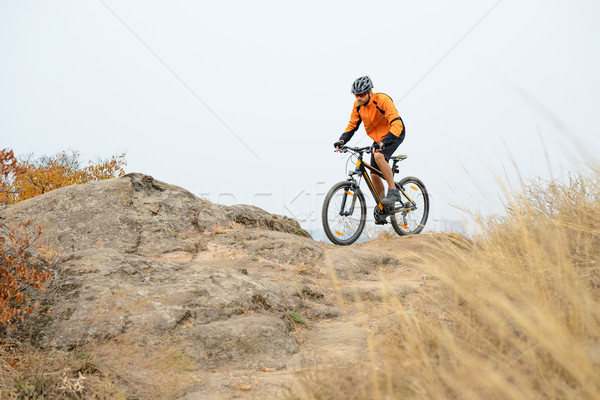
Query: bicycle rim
342	224
413	221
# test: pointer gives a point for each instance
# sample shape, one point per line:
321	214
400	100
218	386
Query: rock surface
140	259
134	214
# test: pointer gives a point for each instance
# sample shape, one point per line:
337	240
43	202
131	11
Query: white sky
163	81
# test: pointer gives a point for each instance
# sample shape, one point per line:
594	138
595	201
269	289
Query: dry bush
514	314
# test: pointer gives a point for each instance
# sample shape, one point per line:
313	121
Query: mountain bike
345	211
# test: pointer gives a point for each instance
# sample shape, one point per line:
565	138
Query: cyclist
385	127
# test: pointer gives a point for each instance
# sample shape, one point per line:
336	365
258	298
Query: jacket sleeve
353	125
391	114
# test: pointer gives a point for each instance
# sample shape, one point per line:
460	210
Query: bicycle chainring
380	217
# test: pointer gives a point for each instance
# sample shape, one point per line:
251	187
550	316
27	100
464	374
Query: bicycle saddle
399	157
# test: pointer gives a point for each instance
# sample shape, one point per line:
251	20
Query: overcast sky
241	101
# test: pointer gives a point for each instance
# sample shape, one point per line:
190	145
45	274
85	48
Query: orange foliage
8	163
21	180
18	269
9	168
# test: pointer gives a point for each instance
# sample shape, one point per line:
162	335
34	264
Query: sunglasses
361	95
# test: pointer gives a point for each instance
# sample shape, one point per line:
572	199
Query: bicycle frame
361	170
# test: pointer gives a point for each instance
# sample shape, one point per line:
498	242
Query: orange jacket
379	116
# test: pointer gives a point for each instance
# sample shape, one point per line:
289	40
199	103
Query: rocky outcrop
111	278
135	214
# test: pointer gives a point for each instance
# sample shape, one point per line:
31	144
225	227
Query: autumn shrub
19	270
32	176
9	169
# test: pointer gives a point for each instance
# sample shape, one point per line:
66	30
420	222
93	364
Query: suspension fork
349	192
352	189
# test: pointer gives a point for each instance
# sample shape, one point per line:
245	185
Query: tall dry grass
513	314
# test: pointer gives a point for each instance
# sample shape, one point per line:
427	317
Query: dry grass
160	370
229	226
379	232
120	368
513	314
29	373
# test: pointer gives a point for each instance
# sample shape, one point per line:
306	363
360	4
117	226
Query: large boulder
118	270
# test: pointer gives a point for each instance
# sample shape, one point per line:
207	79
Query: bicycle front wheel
412	221
344	213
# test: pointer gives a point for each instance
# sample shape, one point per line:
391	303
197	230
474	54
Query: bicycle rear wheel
344	213
413	221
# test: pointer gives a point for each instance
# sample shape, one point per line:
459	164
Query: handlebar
345	149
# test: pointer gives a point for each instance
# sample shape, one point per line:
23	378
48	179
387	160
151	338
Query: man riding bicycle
384	125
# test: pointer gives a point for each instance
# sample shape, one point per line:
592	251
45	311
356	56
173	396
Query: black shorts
388	151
